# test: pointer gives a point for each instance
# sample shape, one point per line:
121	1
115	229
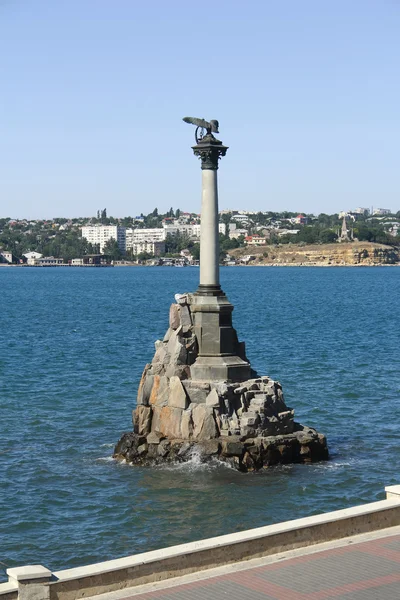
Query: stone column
209	150
220	355
209	242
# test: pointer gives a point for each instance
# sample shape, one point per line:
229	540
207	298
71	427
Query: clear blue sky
92	93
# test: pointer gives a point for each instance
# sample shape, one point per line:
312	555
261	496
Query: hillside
356	253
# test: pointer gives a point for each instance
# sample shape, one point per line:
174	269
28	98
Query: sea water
73	344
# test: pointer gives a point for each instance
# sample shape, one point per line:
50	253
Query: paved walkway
360	568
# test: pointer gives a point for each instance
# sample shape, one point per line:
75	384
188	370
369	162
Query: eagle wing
197	122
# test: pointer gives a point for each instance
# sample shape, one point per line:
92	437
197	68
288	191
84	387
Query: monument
199	395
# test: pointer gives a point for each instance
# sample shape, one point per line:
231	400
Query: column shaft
209	242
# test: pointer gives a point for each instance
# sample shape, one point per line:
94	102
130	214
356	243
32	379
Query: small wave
105	459
107	445
195	463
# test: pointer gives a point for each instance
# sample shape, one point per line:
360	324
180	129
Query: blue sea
73	344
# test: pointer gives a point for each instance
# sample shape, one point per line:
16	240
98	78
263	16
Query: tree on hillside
112	250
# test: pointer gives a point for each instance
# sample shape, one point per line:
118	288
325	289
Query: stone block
204	426
142	449
197	391
158	369
177	395
250	419
174	320
163	448
176	349
167	334
160	355
181	371
143	415
159	392
182	298
155	422
210	447
224	422
145	386
241	389
185	450
232	447
170	422
223	389
135	421
185	318
213	399
154	438
187	425
247	432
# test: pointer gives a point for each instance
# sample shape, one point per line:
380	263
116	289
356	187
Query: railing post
32	580
392	492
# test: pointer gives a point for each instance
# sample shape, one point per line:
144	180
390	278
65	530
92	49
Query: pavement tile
325	572
393	544
215	589
388	591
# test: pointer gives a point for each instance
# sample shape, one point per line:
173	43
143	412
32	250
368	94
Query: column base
209	290
220	368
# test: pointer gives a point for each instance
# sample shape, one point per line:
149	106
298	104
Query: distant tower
344	236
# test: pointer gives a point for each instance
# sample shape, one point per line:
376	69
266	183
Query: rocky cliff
345	254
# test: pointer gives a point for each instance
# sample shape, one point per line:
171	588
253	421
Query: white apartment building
192	230
381	211
101	234
137	236
143	236
236	233
156	248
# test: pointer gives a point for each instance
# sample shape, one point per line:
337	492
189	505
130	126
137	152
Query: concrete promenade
352	554
363	567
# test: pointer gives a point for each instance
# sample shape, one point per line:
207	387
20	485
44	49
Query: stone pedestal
220	355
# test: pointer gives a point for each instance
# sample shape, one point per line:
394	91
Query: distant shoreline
251	265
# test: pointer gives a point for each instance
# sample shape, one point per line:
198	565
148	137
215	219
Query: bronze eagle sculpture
210	126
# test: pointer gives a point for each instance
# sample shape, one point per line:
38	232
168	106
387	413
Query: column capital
209	150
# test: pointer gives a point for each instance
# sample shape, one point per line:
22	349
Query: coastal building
89	260
169	227
46	261
381	211
99	235
135	237
282	232
237	233
301	220
6	257
150	247
31	257
255	240
242	219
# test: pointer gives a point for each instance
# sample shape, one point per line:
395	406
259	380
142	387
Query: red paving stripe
366	584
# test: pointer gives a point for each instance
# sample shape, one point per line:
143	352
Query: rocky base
244	423
304	445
